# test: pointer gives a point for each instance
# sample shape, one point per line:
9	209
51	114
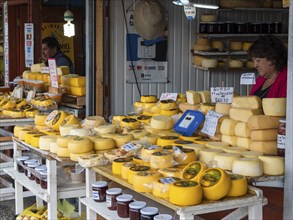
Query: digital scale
189	122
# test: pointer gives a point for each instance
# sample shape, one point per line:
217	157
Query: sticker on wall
190	12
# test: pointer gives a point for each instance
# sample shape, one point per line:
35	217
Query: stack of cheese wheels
161	186
55	119
215	183
238	186
193	170
185	156
143	180
130	123
80	147
248	167
102	143
161	122
65	129
202	44
147	151
120	139
45	141
93	121
62	142
146	103
225	160
117	164
105	129
17	128
209	63
82	132
144	119
28	136
263	133
23	132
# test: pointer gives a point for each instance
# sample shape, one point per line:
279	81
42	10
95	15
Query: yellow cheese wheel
92	121
126	167
130	123
22	133
160	160
105	129
58	119
166	140
225	160
50	118
185	157
238	186
150	138
28	136
202	141
209	63
80	145
70	119
235	45
208	154
82	132
13	113
218	45
146	119
149	105
197	60
137	134
62	141
189	138
134	170
186	106
193	170
65	129
20	102
30	113
121	139
235	63
273	165
63	152
205	107
170	172
167	104
35	140
169	112
217	145
147	151
17	128
74	157
148	98
185	193
103	143
45	141
143	180
118	163
274	106
40	119
53	146
248	167
161	186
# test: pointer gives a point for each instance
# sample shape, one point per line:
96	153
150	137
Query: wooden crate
73	101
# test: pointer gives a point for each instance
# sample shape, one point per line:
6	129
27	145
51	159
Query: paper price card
129	147
53	72
222	94
169	96
210	123
247	79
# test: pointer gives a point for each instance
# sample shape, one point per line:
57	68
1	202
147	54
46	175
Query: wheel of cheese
218	45
22	133
74	157
63	152
17	128
235	45
225	160
239	185
215	183
243	114
35	140
249	102
160	160
192	171
45	141
273	165
237	150
146	119
143	180
80	145
31	113
92	121
14	113
167	104
134	170
251	154
274	106
147	151
148	98
62	141
81	132
40	119
50	118
217	145
185	157
185	193
138	106
121	139
248	167
130	123
208	154
137	134
149	105
28	136
161	186
58	119
209	63
150	138
169	112
105	129
70	119
101	143
126	167
170	172
65	129
166	140
53	146
118	163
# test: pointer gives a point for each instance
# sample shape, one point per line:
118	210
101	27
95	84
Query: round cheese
70	119
197	60
40	119
161	186
239	185
170	172
35	140
148	98
225	160
93	121
55	118
53	146
81	132
62	141
147	151
193	170
217	145
235	45
130	123
80	145
126	167
247	167
274	106
169	112
145	119
117	165
150	138
28	136
167	104
160	160
65	129
74	157
209	63
138	106
237	150
235	64
17	128
134	170
103	143
45	141
166	140
137	134
205	107
273	165
242	130
63	152
143	181
218	45
186	156
22	133
232	140
208	154
121	139
105	129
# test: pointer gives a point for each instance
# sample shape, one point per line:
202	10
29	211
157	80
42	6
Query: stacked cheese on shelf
197	100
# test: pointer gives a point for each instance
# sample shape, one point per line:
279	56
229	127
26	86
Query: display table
52	193
250	204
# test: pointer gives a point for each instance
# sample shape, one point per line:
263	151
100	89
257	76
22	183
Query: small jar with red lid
111	195
281	142
31	167
21	160
134	209
148	213
38	170
26	162
99	189
123	202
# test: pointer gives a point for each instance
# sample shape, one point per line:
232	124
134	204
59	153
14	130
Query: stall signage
29	44
53	72
211	123
190	12
169	96
222	94
247	79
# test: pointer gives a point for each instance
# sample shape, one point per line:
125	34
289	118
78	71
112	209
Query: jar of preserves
26	162
38	175
163	217
31	167
123	202
21	161
134	209
43	180
148	213
99	191
111	195
281	143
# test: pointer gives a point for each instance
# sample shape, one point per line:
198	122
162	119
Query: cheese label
169	96
281	141
53	72
167	180
210	123
129	147
151	147
222	94
247	79
186	122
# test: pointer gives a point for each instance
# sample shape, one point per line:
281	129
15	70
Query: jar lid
42	167
44	172
137	205
114	191
33	165
124	198
31	161
282	120
149	211
163	217
22	158
99	184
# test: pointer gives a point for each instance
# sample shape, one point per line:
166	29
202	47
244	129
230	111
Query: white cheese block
251	154
228	127
192	97
248	102
264	135
243	142
208	154
273	165
225	160
186	106
242	114
265	147
92	121
162	122
242	130
205	96
247	167
105	129
232	140
256	122
274	106
81	132
223	108
65	129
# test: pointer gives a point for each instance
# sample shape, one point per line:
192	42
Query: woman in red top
269	55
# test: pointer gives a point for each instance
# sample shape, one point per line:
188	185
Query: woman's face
265	67
47	52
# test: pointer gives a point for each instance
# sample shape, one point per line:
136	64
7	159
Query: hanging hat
149	19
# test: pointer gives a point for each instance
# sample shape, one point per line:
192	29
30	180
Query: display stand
52	193
250	204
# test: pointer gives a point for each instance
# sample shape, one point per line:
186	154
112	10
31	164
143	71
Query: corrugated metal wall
182	75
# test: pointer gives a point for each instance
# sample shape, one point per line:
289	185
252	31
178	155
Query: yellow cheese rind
274	106
79	81
192	97
228	127
232	140
256	122
80	145
143	181
63	152
239	185
103	143
62	141
247	167
74	157
265	147
273	165
223	108
148	98
249	102
117	165
242	130
264	135
161	188
225	160
161	160
242	114
243	142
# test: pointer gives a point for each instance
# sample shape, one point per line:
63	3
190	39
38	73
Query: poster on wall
146	59
29	44
56	30
6	44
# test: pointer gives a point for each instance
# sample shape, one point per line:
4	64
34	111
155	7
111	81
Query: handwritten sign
247	79
169	96
210	123
222	94
53	72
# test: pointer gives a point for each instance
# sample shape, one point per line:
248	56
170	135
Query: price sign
169	96
129	147
53	72
211	122
190	12
247	79
167	180
222	94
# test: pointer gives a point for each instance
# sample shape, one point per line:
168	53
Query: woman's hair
270	47
51	42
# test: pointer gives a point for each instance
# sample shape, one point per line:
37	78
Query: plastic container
43	180
123	202
134	209
21	160
26	162
38	170
148	213
32	166
281	143
111	195
99	191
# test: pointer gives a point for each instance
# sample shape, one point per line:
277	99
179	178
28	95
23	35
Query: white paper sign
222	94
169	96
53	72
247	79
45	69
29	44
211	123
190	12
31	94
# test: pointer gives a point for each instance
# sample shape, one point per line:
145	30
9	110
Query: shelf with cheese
219	53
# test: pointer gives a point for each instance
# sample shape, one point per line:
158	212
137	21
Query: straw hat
149	19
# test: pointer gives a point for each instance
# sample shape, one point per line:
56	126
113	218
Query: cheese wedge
192	97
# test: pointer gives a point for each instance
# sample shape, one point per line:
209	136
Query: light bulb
69	29
185	1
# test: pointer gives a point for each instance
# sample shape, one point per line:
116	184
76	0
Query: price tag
211	122
31	94
190	12
169	96
152	147
167	180
45	69
129	147
281	143
53	72
247	79
222	94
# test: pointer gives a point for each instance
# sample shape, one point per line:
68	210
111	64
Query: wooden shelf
217	69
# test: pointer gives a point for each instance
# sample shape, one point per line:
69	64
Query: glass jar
230	27
38	169
203	28
26	162
43	180
281	143
134	209
21	160
163	217
31	166
111	195
99	191
148	213
123	202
